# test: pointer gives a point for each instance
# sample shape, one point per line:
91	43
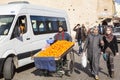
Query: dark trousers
110	60
110	63
65	59
80	46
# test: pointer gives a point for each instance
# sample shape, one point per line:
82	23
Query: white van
17	44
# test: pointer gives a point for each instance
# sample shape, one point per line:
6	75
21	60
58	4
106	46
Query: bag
84	60
105	56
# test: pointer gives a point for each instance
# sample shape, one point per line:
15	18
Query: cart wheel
61	73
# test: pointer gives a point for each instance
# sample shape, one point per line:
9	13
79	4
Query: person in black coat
110	49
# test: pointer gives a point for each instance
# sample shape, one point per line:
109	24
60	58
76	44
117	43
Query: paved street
29	72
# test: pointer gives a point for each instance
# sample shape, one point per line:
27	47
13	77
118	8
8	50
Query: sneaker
96	77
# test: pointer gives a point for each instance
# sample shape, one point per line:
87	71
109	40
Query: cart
56	65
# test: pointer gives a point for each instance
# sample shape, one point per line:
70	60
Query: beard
60	31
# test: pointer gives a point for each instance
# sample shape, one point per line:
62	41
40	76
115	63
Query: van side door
21	37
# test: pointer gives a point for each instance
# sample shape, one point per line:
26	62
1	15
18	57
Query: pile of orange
56	49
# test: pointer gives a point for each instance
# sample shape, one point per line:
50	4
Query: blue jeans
80	46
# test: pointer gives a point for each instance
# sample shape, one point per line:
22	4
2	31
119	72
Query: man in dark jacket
61	35
80	35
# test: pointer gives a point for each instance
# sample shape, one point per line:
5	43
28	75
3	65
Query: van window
22	22
54	22
5	23
50	26
20	26
42	27
34	23
44	24
38	25
62	22
51	23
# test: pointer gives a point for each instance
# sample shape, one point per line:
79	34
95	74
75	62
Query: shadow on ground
101	71
26	67
78	68
45	73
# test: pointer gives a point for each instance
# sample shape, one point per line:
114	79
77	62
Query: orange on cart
56	50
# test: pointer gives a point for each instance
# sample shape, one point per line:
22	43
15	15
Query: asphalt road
29	72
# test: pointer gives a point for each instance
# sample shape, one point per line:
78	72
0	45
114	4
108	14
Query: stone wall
79	11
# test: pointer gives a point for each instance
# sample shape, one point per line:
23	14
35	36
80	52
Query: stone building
85	12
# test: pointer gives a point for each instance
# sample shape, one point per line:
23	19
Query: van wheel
8	69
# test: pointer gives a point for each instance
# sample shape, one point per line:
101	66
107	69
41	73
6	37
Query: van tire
8	69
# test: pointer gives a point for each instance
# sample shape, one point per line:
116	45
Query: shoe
67	74
96	77
112	74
